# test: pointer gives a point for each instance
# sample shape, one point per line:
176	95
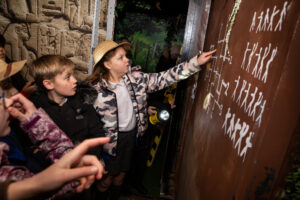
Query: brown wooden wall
246	108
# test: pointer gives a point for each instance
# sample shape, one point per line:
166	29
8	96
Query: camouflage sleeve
44	133
161	80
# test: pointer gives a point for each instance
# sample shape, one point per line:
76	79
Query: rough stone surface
33	28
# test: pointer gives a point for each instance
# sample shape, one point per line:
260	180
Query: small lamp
162	115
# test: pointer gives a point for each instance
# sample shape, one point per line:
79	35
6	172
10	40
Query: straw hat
105	47
7	70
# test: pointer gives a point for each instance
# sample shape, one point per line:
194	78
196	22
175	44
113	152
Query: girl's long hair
100	72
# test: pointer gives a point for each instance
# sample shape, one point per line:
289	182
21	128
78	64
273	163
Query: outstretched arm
161	80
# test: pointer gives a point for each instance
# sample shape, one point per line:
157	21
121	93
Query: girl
122	103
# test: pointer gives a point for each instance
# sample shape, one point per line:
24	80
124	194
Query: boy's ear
48	84
107	64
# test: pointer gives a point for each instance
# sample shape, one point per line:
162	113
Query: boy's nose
74	80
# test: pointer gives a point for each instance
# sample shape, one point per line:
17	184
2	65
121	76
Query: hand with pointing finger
205	57
75	165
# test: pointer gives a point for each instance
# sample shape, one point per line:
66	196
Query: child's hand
151	110
20	107
205	57
74	165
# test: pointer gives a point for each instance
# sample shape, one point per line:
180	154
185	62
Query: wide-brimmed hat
7	70
105	47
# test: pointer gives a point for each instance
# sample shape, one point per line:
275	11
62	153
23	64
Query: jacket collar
103	83
106	85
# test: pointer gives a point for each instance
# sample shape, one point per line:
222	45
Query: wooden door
246	107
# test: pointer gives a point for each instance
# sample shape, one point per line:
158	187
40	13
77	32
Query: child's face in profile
64	84
119	63
4	115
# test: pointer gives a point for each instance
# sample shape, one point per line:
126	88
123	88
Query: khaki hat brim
7	70
105	47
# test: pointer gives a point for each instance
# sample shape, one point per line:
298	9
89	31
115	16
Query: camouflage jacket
44	133
138	85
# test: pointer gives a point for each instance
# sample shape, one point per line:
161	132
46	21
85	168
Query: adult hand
151	110
205	57
20	107
72	166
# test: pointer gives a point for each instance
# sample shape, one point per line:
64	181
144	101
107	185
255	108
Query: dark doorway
151	26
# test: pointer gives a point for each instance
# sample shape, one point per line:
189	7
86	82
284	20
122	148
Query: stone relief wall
33	28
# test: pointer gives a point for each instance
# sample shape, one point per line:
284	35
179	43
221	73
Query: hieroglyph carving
39	27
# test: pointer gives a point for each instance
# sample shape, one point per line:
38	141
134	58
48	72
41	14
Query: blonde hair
48	66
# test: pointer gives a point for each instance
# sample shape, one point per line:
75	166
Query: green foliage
142	5
138	5
147	48
292	184
148	34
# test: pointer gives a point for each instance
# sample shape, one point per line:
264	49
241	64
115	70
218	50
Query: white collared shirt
126	114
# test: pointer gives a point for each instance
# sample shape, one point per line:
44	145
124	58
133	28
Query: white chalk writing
242	119
266	22
260	71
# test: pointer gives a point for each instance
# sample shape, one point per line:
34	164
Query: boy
68	103
16	181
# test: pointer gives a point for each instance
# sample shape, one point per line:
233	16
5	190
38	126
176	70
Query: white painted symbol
266	20
253	22
243	133
282	16
261	17
262	109
231	126
236	86
206	101
248	145
265	76
253	95
257	61
274	13
244	103
266	53
238	101
251	55
237	127
227	116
